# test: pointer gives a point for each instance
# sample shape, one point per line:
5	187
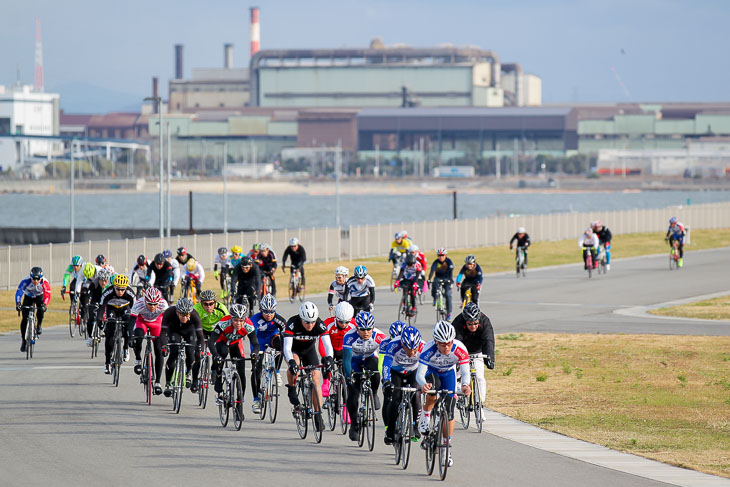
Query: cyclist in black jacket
298	257
182	322
604	238
523	241
163	275
246	282
475	331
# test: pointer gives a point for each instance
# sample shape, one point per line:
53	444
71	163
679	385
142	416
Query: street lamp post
158	101
169	156
225	188
73	141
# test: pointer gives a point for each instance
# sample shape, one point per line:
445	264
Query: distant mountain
82	97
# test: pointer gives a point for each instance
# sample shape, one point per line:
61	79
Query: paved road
63	423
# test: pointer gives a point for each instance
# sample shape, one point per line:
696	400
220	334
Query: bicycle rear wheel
370	422
300	412
203	382
237	402
178	383
341	392
316	414
443	446
462	404
72	320
273	396
406	432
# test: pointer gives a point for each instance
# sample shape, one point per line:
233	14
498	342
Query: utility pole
169	164
158	100
73	141
225	188
338	167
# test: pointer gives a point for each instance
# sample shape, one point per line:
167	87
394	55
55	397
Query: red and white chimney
255	31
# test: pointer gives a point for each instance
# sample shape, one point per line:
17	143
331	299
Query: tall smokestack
228	56
255	31
178	61
155	91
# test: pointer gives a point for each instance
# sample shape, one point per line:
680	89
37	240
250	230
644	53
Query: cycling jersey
604	235
298	257
336	292
299	340
523	241
223	261
356	289
337	334
160	277
479	341
396	359
676	232
148	319
432	360
470	276
198	273
171	324
442	270
209	320
225	332
117	304
268	263
356	350
245	281
74	275
588	241
139	274
401	247
175	270
410	272
266	330
420	258
27	288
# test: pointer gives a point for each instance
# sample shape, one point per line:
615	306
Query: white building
26	112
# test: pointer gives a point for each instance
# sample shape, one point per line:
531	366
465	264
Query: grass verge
661	397
709	309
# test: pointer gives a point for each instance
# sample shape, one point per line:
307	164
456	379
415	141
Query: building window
4	125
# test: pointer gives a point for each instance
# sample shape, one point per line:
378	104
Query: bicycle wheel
402	309
414	311
672	262
203	382
72	320
147	376
462	404
237	402
443	446
224	405
370	422
331	403
292	292
273	396
361	418
178	383
406	433
430	439
478	413
316	414
300	412
341	402
393	278
263	390
398	435
29	336
116	360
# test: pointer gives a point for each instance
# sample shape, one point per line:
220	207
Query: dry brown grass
709	309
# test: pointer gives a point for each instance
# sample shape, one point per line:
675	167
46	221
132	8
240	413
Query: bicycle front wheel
178	383
300	412
117	360
72	320
224	407
292	292
406	433
478	413
273	396
341	392
331	403
316	418
203	382
237	402
462	404
29	337
443	446
147	376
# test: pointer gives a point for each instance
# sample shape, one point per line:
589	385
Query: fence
357	242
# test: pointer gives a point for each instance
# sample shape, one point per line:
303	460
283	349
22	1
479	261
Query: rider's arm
67	275
327	343
528	242
287	252
331	294
480	276
288	342
347	361
371	289
514	237
202	273
487	337
79	282
433	269
387	363
421	374
304	256
212	339
254	339
21	290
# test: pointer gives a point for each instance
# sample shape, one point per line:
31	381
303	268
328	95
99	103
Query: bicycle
365	418
179	377
31	331
204	379
467	297
295	285
437	435
589	261
520	258
309	407
601	259
674	255
268	385
189	289
96	332
232	394
335	402
226	291
396	271
404	430
407	310
474	401
147	377
74	315
441	312
116	359
265	284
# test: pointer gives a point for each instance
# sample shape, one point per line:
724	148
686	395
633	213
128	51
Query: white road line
50	367
642	311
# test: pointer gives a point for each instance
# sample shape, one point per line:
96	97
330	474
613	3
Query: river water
260	211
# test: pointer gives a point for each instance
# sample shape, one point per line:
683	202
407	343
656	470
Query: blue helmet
361	271
673	220
396	328
77	260
410	337
365	320
167	253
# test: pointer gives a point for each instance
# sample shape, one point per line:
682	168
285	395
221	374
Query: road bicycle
473	402
468	297
365	419
269	385
589	261
437	438
31	331
75	320
674	255
309	407
232	395
204	379
295	285
396	271
520	258
147	377
116	359
265	284
404	430
189	289
407	310
601	259
335	402
226	291
96	331
179	377
441	310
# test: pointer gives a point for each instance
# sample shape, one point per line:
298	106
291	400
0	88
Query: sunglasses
208	303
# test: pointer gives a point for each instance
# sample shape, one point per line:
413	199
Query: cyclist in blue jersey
269	325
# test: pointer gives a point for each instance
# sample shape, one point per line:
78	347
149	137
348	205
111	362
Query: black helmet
36	273
141	260
246	261
100	259
222	251
410	259
159	259
471	311
470	259
181	252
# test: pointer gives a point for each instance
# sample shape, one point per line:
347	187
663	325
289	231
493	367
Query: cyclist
408	276
676	232
399	247
604	238
437	370
337	327
236	251
394	331
421	259
116	301
138	276
443	270
254	253
268	325
246	282
161	275
337	287
210	311
300	336
523	241
360	290
470	277
175	265
298	258
96	289
588	242
399	370
35	291
227	338
359	352
268	265
147	314
101	262
183	256
73	278
475	331
194	273
182	322
222	259
89	271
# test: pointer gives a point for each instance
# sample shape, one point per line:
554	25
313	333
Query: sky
101	55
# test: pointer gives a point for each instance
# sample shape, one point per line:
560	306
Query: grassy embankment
709	309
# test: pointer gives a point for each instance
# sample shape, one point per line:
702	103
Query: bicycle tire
462	404
263	392
147	376
361	414
203	382
317	413
117	359
72	320
401	310
443	445
370	418
414	313
29	336
331	403
178	381
430	438
406	435
341	402
292	292
478	412
300	412
398	435
224	406
273	398
237	402
393	278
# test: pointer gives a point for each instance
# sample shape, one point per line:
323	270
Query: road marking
642	311
50	367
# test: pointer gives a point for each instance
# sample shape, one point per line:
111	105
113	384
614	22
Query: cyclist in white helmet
337	287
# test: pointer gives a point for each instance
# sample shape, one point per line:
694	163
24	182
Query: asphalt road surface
63	423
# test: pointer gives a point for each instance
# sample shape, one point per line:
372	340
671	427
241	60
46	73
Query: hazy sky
673	50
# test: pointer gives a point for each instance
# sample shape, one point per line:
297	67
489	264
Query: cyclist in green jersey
210	311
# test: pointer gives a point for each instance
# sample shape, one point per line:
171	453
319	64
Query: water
261	211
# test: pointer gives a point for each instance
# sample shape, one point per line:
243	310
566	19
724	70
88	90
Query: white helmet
308	311
589	231
344	311
413	248
342	271
443	332
521	230
293	241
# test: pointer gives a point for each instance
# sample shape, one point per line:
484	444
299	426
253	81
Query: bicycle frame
31	331
438	435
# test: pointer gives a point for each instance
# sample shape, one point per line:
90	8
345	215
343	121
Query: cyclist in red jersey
337	327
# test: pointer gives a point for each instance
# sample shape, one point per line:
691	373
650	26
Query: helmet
596	223
410	259
36	273
191	265
521	230
238	311
89	270
159	259
141	260
166	254
236	249
404	233
341	271
182	252
152	295
361	271
121	281
396	328
673	220
589	231
365	320
100	259
308	311
470	259
399	235
207	295
222	251
265	246
184	306
77	260
441	251
293	241
410	337
414	248
256	247
443	332
103	275
471	311
344	311
246	261
268	303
